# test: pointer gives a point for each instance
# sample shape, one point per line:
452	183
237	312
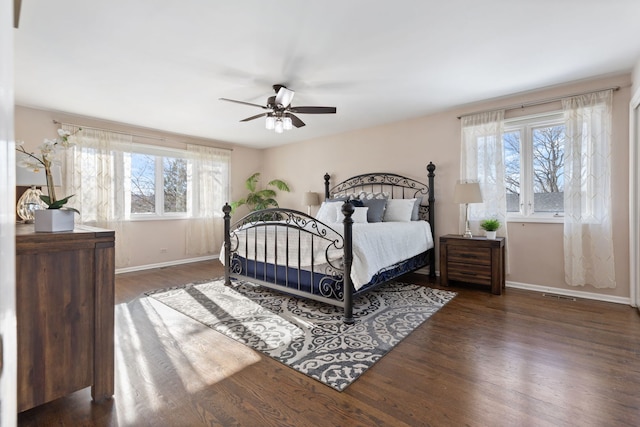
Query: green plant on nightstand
490	226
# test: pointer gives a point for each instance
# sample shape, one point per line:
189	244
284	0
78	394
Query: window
158	184
534	167
133	181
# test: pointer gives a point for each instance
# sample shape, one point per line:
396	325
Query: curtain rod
158	138
540	102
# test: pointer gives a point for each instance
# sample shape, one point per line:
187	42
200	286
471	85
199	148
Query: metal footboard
263	247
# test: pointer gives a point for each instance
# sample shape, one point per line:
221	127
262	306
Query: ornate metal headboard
398	187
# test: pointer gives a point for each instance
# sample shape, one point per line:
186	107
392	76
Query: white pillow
328	212
359	215
399	210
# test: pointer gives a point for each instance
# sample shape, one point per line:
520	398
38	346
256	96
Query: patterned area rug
306	335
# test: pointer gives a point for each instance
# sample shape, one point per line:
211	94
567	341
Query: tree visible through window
143	183
159	184
175	185
534	165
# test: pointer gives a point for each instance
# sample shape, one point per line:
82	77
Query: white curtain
210	184
588	239
482	160
93	172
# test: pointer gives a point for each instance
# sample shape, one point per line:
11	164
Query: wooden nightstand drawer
466	254
480	274
473	260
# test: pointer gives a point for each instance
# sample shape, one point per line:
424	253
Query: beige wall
536	254
148	238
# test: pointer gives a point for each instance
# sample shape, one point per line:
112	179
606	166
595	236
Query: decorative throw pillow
376	209
368	195
359	215
415	215
399	210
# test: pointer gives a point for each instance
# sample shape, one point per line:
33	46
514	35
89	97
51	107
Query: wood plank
512	359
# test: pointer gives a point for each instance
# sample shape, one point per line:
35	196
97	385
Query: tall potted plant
260	199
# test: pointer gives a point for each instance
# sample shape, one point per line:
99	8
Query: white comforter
376	246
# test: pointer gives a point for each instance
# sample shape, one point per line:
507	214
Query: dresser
65	313
475	260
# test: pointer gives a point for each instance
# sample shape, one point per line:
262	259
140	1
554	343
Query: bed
349	247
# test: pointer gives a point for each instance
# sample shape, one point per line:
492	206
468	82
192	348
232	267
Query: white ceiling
163	64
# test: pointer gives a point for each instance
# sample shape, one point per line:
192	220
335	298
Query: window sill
540	219
157	218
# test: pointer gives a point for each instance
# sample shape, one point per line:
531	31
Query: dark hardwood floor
519	359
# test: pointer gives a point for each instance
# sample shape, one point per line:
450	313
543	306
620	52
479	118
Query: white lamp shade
311	199
467	192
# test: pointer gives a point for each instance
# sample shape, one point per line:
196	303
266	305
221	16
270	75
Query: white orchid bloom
64	133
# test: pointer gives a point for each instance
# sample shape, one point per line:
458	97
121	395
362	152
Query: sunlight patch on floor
189	355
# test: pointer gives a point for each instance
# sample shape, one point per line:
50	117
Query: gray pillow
376	209
415	214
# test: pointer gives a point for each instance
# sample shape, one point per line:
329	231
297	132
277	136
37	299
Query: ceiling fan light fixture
279	126
287	123
270	122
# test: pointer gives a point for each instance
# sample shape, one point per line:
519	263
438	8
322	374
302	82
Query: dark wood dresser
65	313
473	260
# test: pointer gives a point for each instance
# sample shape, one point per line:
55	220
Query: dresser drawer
469	254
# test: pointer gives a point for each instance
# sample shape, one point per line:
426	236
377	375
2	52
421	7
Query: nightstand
473	260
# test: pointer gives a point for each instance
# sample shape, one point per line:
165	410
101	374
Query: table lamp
310	199
467	192
30	200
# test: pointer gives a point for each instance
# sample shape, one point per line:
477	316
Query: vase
51	220
491	235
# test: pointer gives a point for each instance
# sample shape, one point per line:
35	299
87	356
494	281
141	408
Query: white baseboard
165	264
425	271
569	293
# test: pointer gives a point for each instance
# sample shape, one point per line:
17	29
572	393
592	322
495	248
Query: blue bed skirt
317	283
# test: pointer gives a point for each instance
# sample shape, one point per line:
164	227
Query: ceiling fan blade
284	96
296	121
244	103
254	117
313	110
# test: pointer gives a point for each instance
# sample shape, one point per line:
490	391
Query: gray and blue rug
306	335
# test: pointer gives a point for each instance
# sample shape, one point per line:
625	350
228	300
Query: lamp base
467	234
28	203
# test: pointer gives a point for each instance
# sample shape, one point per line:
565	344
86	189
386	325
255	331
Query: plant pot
51	220
491	235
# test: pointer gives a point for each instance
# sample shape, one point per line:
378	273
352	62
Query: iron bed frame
327	281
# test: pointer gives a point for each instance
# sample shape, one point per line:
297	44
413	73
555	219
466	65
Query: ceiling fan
280	113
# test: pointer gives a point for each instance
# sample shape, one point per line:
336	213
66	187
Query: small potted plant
490	226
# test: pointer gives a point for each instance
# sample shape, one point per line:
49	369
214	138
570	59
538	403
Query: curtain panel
94	173
482	160
588	231
210	192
